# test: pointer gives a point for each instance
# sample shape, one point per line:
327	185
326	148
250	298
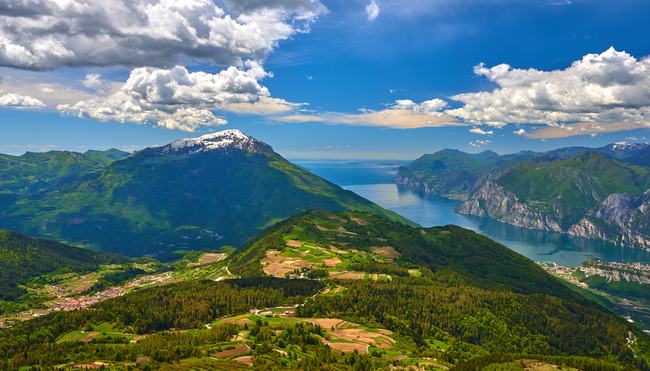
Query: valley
323	288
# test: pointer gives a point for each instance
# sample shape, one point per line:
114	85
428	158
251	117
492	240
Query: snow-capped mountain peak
231	138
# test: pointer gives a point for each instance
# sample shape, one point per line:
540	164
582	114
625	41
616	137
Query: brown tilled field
210	257
245	359
332	262
292	243
386	251
359	221
348	276
363	336
244	320
348	347
321	228
89	337
74	336
326	323
232	352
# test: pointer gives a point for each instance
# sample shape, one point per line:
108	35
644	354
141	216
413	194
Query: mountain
588	195
617	151
38	172
593	193
22	257
218	189
364	293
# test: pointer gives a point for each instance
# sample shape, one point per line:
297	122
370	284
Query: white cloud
372	10
46	90
631	138
481	131
176	99
479	143
430	108
20	101
49	34
94	82
520	132
608	87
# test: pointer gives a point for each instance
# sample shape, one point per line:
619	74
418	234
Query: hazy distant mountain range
590	192
218	189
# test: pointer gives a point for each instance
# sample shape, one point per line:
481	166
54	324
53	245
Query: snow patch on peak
231	138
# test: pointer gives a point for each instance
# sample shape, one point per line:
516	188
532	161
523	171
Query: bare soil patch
332	216
232	352
399	358
338	289
343	220
326	323
210	257
359	221
384	331
244	320
270	256
349	276
364	336
386	251
321	228
375	277
384	346
292	243
74	336
332	262
348	347
227	320
342	229
422	231
89	337
245	359
326	291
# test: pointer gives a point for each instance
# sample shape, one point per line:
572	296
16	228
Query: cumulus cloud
430	108
520	132
49	34
608	88
372	10
94	81
20	101
46	90
481	131
175	99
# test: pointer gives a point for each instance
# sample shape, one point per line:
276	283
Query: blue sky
329	79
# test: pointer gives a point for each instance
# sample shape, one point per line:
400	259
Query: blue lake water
373	181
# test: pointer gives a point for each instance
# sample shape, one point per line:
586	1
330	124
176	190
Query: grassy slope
142	202
23	257
36	172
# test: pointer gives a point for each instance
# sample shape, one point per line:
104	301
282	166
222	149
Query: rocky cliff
494	201
621	217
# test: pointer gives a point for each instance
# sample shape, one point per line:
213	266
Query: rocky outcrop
621	218
615	274
496	202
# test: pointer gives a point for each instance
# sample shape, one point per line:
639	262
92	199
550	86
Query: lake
373	181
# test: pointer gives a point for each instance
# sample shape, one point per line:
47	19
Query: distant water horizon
373	181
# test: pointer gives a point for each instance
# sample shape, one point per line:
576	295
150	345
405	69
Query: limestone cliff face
615	274
621	218
494	201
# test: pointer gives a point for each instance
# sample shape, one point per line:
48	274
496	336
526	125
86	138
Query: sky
353	79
